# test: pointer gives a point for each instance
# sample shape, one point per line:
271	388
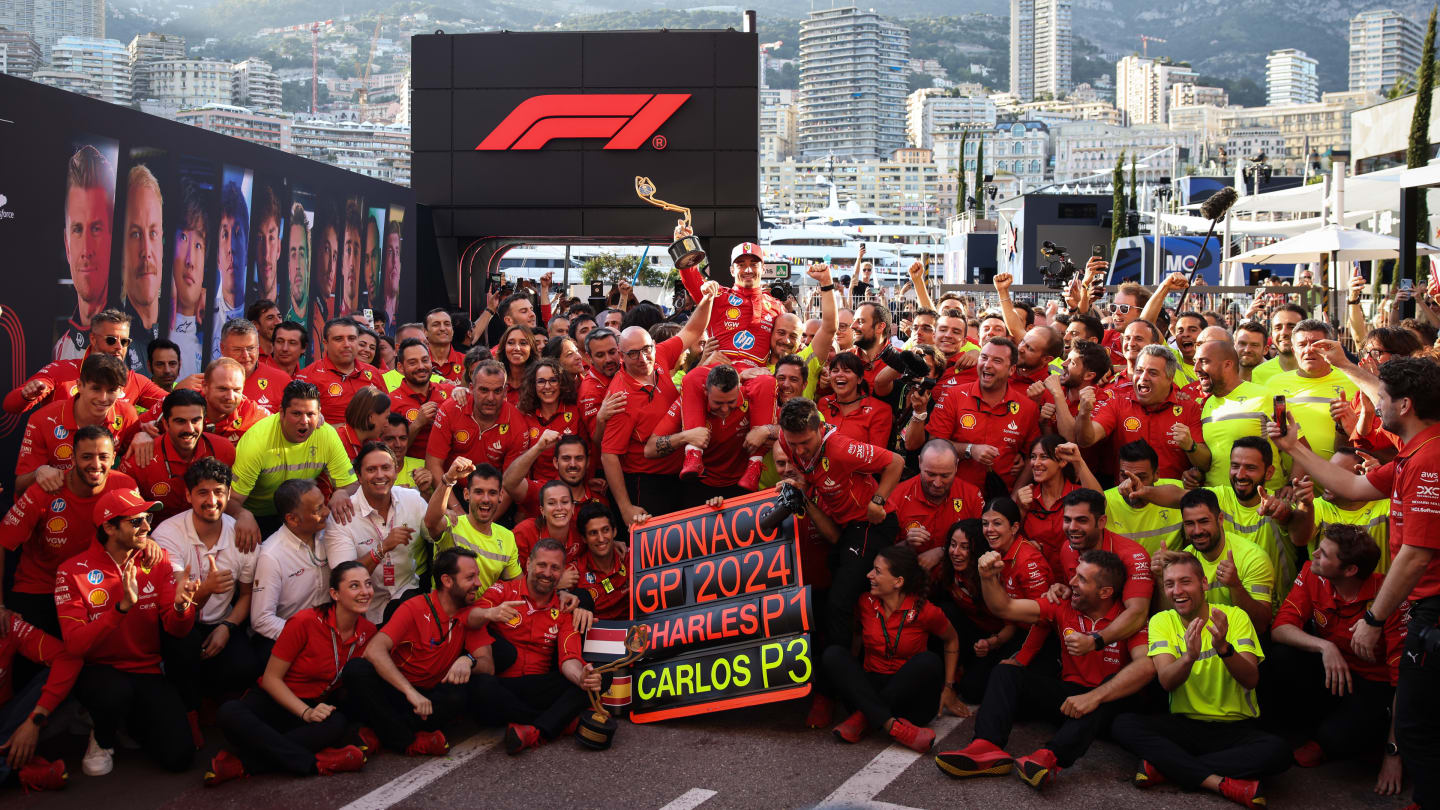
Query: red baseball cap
122	503
747	248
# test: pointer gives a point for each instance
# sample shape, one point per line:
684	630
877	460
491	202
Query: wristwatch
1229	651
878	499
1370	619
1391	749
41	718
1099	640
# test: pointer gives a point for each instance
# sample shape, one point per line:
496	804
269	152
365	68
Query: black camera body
782	290
1057	257
789	500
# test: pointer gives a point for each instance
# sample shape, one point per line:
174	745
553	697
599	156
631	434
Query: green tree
1134	204
1117	203
1417	153
960	186
980	174
612	268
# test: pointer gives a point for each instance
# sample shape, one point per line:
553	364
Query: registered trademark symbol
658	141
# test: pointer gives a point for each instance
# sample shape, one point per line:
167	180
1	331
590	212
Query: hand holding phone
1281	413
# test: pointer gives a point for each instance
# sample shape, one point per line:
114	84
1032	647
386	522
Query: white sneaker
98	761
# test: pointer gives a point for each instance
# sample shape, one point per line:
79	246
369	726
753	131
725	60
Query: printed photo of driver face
297	263
351	261
327	257
269	234
144	251
371	257
89	209
187	265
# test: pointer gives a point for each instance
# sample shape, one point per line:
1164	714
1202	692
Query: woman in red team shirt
517	352
1027	575
556	520
958	594
548	399
850	408
1056	470
365	416
291	722
900	684
565	350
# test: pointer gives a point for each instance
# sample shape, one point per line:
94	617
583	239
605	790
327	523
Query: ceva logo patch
627	119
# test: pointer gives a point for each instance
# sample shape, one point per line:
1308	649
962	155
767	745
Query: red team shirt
244	417
609	590
870	422
426	643
455	433
1094	668
53	527
742	320
1138	580
593	387
842	481
313	646
407	403
893	640
565	421
1313	600
725	457
544	637
1011	427
336	389
19	637
1413	481
87	595
452	367
1045	527
163	479
1027	575
1125	420
529	531
628	430
50	435
911	509
265	386
64	379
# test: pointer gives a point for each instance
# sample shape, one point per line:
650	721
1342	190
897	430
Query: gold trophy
597	730
685	252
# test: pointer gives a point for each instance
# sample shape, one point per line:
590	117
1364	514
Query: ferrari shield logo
958	504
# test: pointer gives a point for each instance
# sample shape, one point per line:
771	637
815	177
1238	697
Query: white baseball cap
744	248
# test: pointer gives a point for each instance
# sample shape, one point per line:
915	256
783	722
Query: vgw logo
627	119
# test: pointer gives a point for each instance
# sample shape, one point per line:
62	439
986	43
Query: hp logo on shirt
744	341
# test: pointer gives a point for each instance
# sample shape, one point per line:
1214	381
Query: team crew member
959	595
1154	410
989	422
548	402
365	416
338	375
850	408
1208	658
1233	408
112	609
572	464
1315	679
1038	355
293	721
55	526
416	396
182	443
604	576
387	535
1408	407
291	445
1130	515
291	569
543	689
555	520
1053	464
928	504
1282	329
1027	575
26	707
484	430
602	363
1237	570
901	684
1251	340
228	412
1331	508
215	658
47	449
733	443
240	341
439	337
839	474
476	531
1313	386
1089	690
60	380
418	672
1129	303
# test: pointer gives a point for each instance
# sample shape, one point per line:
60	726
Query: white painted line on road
887	765
690	799
416	779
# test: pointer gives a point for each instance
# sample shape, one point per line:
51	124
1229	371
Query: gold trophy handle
637	638
645	190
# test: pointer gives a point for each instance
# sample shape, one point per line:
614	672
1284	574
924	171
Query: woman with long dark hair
548	399
516	350
567	350
850	408
1056	469
958	594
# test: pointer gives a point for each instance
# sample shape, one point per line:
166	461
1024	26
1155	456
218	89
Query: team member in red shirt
602	361
572	465
901	684
182	443
959	595
47	450
417	397
110	330
543	689
604	575
1154	409
113	608
240	341
989	422
928	504
292	722
417	672
228	412
1027	575
733	443
548	402
555	520
339	374
1056	469
839	474
850	408
1315	680
1409	408
26	709
1083	698
485	429
367	414
55	526
439	336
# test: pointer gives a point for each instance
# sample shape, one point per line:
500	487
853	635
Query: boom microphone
1215	207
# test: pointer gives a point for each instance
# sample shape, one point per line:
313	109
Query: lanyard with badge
335	651
387	565
892	648
444	630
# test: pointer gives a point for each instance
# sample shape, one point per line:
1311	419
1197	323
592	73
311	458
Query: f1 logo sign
627	119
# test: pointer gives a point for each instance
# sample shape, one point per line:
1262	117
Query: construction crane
314	28
369	61
1145	44
766	48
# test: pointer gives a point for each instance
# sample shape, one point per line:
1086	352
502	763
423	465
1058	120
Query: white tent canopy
1340	243
1376	191
1247	227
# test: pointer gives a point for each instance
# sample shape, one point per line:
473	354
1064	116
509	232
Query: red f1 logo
627	119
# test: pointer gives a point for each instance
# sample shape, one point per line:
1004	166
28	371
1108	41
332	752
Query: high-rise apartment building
49	20
1142	88
19	53
254	85
182	83
1040	48
1290	78
777	125
104	61
931	111
852	84
147	49
1384	47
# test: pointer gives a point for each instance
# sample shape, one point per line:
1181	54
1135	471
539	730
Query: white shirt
185	331
364	533
188	552
290	575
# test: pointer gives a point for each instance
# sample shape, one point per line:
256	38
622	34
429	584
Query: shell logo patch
98	597
1132	424
64	451
967	421
56	524
412	414
161	489
1014	408
333	390
732	313
462	436
1320	618
1069	631
534	432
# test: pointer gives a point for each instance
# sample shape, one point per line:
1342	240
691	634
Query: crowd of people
1125	519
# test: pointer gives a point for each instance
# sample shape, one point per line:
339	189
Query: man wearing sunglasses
109	335
1129	302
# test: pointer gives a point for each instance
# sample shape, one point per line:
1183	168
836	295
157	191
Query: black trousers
386	710
912	693
1417	705
230	672
850	560
548	702
656	494
1188	751
148	705
1296	698
1020	691
17	710
975	670
268	737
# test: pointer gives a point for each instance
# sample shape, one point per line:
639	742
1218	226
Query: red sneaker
224	767
1309	755
1148	775
428	744
1244	792
852	729
42	774
196	735
751	479
571	727
911	736
1038	769
369	741
519	737
331	761
822	712
694	463
979	758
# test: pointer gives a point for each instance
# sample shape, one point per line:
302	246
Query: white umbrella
1339	243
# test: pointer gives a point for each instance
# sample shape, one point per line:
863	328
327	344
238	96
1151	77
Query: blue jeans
17	709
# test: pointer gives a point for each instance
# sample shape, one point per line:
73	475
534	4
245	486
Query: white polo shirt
364	533
290	575
188	552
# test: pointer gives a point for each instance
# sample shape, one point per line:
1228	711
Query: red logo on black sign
627	119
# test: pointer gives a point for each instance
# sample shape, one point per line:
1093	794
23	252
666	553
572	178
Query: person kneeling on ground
25	708
292	723
1084	696
901	684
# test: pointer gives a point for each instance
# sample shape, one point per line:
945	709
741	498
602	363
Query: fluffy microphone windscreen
1218	204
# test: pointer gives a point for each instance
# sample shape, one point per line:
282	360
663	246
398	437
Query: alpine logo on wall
628	120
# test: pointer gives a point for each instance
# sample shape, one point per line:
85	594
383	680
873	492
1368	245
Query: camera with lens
789	500
1058	269
914	371
782	290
